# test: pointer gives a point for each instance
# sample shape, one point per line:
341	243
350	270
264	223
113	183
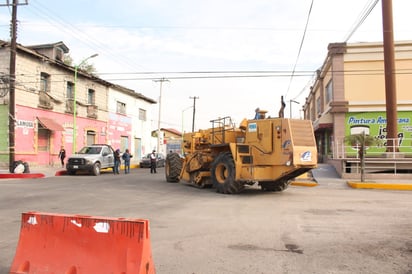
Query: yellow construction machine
266	151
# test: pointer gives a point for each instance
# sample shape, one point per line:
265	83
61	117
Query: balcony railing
378	158
45	101
92	111
69	105
400	148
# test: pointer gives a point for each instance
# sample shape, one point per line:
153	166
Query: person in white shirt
153	162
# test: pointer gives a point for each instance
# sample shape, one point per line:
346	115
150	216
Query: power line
361	18
300	47
217	75
78	34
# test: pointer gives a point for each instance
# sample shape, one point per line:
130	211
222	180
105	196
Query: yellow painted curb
303	183
369	185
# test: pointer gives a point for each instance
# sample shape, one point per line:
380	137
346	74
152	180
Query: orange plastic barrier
76	244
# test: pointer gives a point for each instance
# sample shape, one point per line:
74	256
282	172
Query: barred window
318	107
70	90
329	91
44	82
121	107
91	97
142	114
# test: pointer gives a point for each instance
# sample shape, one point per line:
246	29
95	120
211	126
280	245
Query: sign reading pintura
374	124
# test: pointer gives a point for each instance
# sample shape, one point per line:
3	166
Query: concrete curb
60	172
105	170
21	175
303	183
373	185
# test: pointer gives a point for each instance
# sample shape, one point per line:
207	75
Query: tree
89	68
362	141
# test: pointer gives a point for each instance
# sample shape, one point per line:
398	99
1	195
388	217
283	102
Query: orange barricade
76	244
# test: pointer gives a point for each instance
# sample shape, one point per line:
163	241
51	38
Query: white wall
140	129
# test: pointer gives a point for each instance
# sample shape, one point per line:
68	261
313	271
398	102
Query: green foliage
359	139
68	60
362	141
89	68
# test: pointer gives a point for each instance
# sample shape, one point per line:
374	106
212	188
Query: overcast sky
135	37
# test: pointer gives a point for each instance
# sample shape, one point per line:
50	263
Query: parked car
91	158
160	160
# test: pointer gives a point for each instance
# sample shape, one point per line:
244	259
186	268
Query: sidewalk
37	172
47	171
326	174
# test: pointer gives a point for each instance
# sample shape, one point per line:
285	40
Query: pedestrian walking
62	155
153	162
126	158
116	161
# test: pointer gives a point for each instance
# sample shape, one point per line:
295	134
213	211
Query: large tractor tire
173	167
223	174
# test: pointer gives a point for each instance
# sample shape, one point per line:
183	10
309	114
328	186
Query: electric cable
361	18
300	48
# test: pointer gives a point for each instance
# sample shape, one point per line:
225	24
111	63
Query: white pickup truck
91	158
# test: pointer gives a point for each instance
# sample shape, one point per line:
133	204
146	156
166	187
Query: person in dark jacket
126	158
116	161
62	155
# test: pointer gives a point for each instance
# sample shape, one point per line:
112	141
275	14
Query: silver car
91	158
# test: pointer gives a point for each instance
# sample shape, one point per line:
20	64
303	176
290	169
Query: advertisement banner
374	124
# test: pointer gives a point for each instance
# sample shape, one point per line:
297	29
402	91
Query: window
121	108
318	107
124	142
70	90
90	96
142	114
44	82
91	137
312	112
329	91
106	151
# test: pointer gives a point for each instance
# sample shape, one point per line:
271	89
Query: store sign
374	124
25	124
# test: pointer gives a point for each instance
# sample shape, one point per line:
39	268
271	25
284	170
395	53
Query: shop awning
50	124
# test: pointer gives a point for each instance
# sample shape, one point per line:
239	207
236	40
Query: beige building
348	97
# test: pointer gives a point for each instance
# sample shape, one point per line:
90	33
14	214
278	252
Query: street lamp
290	106
183	111
74	99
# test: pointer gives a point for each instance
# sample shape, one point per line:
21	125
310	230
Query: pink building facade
39	134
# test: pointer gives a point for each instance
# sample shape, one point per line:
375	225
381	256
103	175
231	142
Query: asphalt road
325	229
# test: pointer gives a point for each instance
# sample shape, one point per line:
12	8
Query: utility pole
12	80
194	111
160	111
290	107
390	80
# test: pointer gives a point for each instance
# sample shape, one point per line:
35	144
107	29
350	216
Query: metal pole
194	111
183	128
12	80
390	81
158	121
290	107
74	110
181	144
160	112
76	68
